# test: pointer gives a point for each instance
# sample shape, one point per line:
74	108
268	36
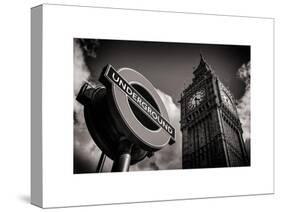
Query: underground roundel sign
137	106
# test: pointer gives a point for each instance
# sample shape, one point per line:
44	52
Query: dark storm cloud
88	47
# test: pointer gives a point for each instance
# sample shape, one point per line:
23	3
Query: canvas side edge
36	106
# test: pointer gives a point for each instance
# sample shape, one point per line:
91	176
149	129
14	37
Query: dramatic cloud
170	156
86	153
243	104
81	74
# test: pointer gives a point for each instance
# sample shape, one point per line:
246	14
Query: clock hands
197	100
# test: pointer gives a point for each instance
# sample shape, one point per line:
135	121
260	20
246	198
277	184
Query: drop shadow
24	198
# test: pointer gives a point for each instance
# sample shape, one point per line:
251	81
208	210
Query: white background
61	187
15	106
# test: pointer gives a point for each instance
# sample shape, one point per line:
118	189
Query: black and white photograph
149	105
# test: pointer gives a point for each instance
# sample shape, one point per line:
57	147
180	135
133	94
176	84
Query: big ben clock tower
211	130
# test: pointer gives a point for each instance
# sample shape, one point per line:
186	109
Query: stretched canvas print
139	106
205	89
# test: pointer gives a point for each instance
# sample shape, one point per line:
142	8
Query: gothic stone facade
211	130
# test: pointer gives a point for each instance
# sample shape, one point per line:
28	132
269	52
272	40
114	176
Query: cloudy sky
169	67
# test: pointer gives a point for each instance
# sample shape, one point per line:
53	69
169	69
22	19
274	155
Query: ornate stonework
211	130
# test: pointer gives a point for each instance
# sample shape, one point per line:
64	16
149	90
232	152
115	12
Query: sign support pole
101	163
123	159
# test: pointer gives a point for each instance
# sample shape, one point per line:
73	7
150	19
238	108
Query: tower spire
202	60
202	67
201	57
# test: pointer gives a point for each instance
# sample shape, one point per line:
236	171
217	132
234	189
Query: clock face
227	101
196	99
